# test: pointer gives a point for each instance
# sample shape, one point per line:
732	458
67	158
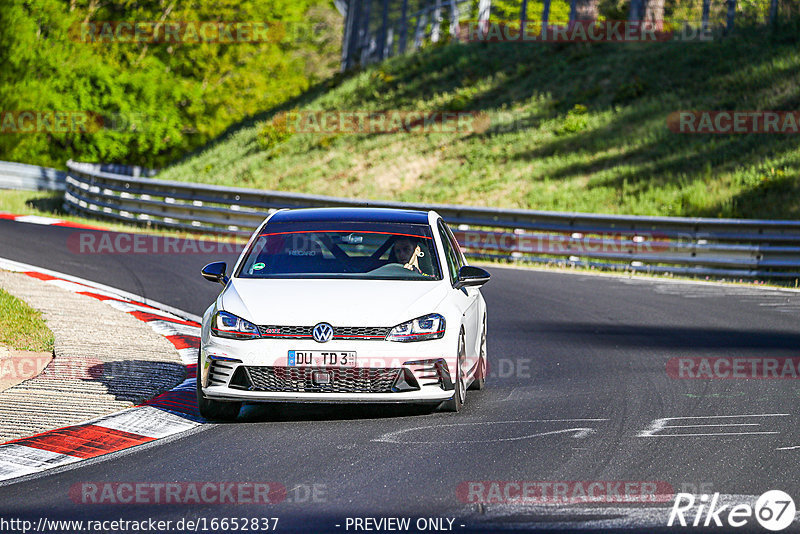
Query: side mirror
215	272
471	276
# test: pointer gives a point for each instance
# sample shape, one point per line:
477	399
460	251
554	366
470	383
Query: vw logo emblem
322	332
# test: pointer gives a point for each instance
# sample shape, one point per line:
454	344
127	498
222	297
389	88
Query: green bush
575	120
155	101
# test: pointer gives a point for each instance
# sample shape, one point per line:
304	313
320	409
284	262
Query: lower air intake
308	379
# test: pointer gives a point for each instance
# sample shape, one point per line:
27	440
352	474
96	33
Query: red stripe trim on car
343	232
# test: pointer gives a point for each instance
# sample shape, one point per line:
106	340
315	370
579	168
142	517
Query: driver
408	252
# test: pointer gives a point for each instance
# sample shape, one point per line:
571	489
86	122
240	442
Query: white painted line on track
657	425
711	434
36	219
722	424
578	432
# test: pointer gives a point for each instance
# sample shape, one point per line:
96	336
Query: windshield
386	251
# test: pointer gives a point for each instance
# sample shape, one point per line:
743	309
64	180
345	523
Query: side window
456	247
450	254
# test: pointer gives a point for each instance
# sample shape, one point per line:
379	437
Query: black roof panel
380	215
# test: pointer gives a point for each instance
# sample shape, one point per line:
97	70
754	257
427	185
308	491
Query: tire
456	402
480	373
215	410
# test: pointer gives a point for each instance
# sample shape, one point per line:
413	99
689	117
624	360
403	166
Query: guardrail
30	177
699	246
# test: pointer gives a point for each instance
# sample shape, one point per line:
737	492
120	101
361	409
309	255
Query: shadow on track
283	412
667	337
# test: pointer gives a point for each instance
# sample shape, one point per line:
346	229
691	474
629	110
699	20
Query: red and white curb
167	414
46	221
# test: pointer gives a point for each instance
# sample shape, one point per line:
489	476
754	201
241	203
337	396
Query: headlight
419	329
227	325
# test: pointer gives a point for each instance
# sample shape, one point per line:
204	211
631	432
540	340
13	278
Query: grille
358	332
299	379
339	332
285	332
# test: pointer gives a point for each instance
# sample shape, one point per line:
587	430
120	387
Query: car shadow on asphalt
280	412
134	381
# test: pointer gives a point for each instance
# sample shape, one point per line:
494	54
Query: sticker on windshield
258	266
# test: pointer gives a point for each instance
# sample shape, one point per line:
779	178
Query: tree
155	100
583	10
648	11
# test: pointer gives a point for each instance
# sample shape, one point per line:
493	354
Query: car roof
378	215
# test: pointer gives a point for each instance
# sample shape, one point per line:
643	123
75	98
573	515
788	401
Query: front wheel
456	402
479	382
215	410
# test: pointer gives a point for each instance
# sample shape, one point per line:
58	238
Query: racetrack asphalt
577	386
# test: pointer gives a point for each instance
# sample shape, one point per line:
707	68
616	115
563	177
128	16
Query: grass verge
22	327
573	127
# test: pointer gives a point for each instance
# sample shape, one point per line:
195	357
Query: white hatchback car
344	305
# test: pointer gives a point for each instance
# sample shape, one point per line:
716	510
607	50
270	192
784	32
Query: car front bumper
430	395
226	365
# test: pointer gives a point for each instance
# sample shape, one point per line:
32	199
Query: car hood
338	302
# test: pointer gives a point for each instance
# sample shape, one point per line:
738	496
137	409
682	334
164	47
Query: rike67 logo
774	510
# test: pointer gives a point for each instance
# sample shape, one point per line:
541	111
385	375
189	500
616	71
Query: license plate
321	358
